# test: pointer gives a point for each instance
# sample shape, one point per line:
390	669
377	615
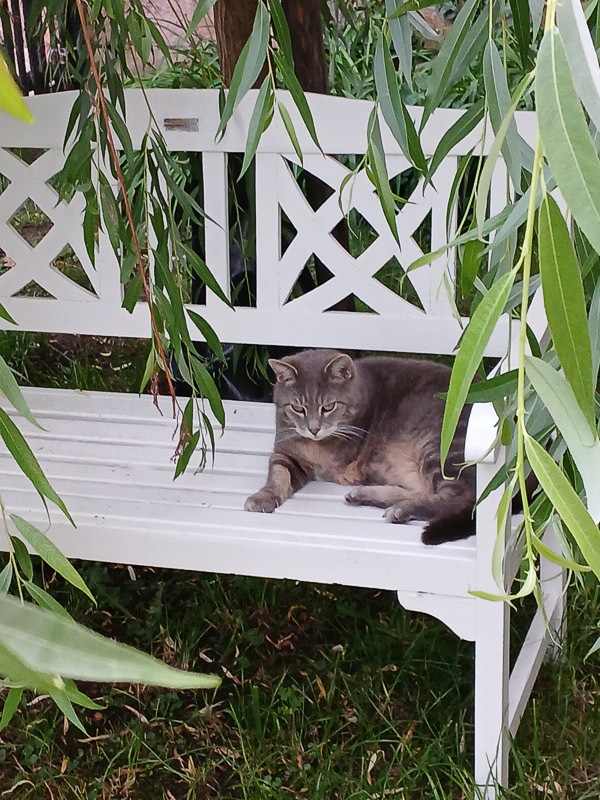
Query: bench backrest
425	323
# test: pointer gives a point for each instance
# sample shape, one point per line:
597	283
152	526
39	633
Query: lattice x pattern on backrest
295	236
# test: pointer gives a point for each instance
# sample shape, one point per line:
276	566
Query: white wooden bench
109	455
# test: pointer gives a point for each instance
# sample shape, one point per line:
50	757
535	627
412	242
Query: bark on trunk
306	31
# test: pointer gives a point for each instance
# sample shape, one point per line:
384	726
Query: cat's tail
450	527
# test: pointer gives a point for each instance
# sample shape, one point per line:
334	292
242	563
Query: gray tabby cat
373	423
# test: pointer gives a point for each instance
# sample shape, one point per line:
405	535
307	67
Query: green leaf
27	462
527	588
12	391
566	138
557	395
410	5
498	98
474	42
564	302
386	83
521	27
470	353
63	702
555	558
132	294
208	333
5	315
455	134
6	577
289	126
184	458
208	389
50	553
201	10
414	143
11	703
203	272
470	263
45	600
593	649
594	331
11	99
443	64
500	542
495	388
378	175
487	172
262	115
23	558
248	67
51	645
291	83
581	52
401	33
282	31
565	500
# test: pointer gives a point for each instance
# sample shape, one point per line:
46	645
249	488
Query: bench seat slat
109	458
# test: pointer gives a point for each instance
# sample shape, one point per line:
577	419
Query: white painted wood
216	225
458	613
341	123
491	650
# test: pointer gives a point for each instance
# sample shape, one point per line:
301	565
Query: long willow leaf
490	162
50	553
259	122
520	13
582	56
567	142
386	83
444	62
51	645
27	462
378	174
498	97
248	67
11	390
401	34
565	500
565	305
293	85
455	134
470	353
556	394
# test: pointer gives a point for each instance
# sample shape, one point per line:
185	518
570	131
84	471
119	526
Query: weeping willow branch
121	180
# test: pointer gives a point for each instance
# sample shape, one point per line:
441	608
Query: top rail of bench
188	120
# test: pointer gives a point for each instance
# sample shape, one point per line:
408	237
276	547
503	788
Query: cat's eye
327	407
298	409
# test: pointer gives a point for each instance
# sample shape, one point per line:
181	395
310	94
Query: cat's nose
314	429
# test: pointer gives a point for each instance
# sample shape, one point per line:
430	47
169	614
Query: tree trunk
306	31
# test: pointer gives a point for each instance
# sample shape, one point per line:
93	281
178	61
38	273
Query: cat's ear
284	372
340	368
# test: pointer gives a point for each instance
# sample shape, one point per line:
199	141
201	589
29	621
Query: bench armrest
481	433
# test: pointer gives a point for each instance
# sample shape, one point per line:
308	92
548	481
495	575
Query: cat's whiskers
352	431
286	433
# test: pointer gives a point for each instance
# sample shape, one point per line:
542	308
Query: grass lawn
327	692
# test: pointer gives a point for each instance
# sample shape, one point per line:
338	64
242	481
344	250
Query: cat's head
318	395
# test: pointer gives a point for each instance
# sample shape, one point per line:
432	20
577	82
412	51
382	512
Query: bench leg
491	697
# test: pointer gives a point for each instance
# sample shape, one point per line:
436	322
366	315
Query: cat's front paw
398	515
264	502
